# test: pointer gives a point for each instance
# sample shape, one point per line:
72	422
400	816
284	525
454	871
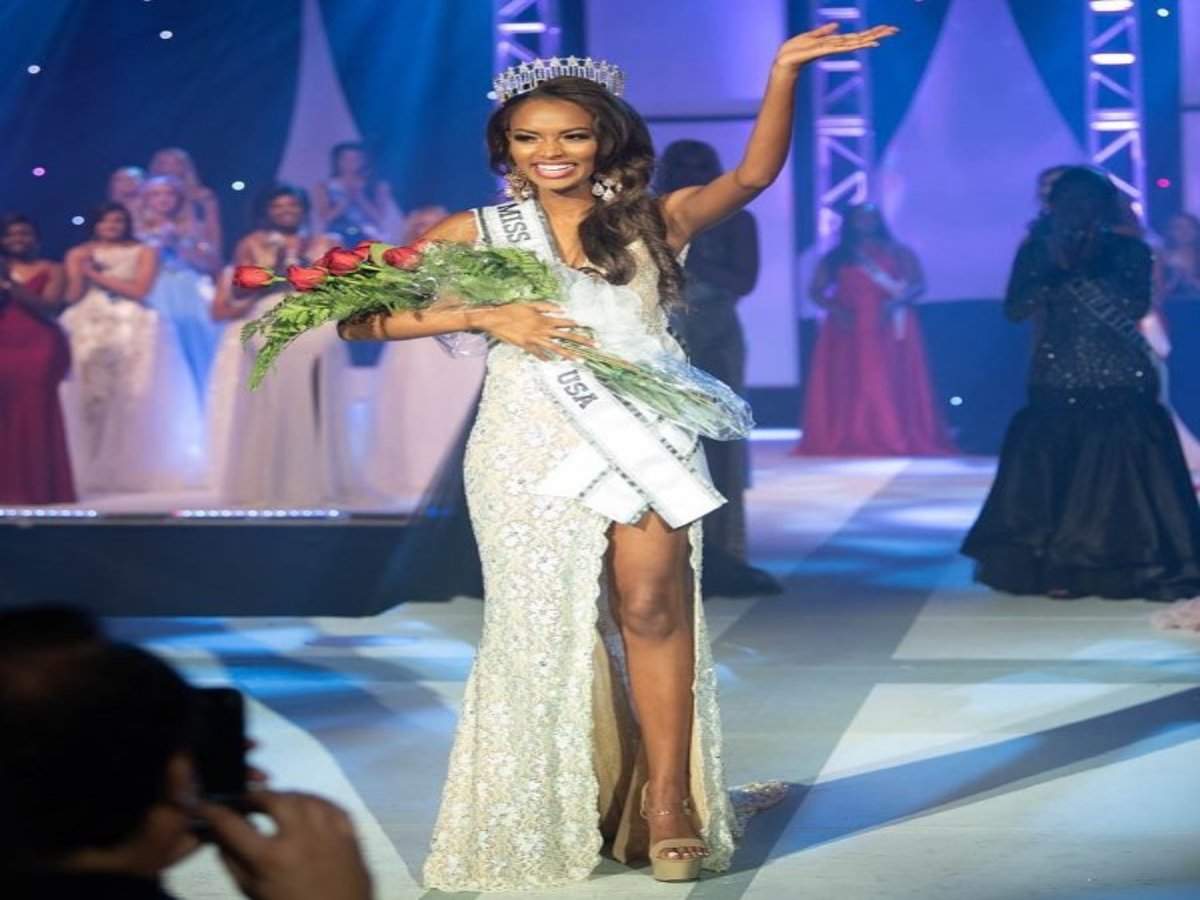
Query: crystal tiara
525	77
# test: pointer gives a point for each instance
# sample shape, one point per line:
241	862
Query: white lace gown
133	421
546	767
284	444
422	399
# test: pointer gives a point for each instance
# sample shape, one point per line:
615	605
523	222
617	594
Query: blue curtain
898	66
112	91
416	75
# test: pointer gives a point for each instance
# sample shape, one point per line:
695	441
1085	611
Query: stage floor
944	741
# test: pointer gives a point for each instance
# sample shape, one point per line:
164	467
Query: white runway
944	741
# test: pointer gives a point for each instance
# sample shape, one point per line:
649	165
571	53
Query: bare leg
652	603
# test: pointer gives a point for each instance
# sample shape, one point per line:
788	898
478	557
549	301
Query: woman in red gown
868	388
34	359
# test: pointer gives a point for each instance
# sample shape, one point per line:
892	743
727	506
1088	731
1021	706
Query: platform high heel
664	868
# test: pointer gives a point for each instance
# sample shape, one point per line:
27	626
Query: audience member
98	789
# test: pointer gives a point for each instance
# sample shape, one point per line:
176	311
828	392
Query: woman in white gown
183	289
285	443
413	428
593	697
133	422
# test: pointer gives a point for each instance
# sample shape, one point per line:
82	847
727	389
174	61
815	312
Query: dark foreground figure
1092	496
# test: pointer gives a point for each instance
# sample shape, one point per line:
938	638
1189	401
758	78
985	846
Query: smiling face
163	199
553	143
112	226
19	240
124	184
286	213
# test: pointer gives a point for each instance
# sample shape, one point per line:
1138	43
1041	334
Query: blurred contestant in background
720	269
284	444
34	360
423	399
869	392
133	422
202	202
1092	496
354	204
183	288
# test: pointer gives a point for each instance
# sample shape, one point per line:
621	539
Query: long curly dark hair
626	154
1084	205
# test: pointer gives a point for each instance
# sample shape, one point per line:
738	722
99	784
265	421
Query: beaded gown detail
546	765
1092	495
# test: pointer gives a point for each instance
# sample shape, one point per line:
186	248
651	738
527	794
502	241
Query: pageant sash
630	459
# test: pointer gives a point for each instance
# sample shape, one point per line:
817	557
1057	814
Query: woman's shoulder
459	228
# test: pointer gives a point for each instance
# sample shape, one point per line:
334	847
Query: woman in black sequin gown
1092	496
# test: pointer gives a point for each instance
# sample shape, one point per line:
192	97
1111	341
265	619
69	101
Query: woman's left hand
825	41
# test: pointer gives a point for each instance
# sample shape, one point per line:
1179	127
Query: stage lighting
238	185
1163	182
1112	5
1163	12
956	401
38	171
1114	59
77	220
166	35
34	69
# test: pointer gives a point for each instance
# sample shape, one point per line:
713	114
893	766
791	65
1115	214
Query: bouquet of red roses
376	278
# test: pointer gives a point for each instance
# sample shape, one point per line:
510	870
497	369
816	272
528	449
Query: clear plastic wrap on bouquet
679	392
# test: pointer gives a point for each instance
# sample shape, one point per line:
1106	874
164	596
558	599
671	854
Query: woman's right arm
528	326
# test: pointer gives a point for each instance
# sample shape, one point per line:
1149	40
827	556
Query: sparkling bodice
1075	350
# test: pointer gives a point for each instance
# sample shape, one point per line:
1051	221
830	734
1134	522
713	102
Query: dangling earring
517	186
605	187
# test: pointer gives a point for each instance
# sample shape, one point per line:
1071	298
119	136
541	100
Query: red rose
251	277
306	278
340	262
402	257
363	249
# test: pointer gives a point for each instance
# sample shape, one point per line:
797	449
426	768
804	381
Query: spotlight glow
1112	5
1114	59
1163	182
77	220
238	185
956	400
1163	12
166	35
39	171
34	69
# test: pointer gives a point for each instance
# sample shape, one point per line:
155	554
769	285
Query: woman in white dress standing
285	443
413	427
590	714
133	422
183	289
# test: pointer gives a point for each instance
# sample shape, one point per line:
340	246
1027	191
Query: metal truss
525	30
1114	95
845	136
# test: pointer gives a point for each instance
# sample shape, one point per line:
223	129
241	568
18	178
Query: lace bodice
118	260
1075	349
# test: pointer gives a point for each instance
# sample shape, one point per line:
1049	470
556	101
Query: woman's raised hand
537	328
825	41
